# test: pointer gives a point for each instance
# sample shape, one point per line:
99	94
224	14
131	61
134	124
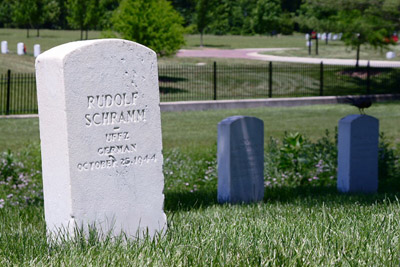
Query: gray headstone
100	132
240	160
358	154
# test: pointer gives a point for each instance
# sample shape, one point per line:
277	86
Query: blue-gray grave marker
358	154
240	160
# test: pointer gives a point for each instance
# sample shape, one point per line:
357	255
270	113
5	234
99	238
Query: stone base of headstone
240	160
358	138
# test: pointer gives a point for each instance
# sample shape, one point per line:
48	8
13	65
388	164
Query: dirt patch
361	74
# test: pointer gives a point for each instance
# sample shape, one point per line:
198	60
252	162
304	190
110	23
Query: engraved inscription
116	109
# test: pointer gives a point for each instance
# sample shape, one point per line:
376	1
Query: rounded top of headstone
63	51
357	117
233	119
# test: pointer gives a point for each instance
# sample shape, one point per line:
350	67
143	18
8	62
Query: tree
317	15
83	14
361	28
267	14
30	14
153	23
202	17
5	13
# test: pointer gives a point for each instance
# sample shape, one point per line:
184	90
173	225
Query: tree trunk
81	34
87	33
201	39
27	32
358	55
37	32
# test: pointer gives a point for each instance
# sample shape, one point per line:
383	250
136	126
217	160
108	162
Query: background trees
153	23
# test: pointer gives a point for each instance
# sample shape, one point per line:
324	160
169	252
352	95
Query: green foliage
84	15
298	162
20	178
152	23
266	17
6	10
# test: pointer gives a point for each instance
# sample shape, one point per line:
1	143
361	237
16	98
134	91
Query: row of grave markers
324	36
21	49
101	144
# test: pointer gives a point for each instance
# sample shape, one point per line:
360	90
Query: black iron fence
211	82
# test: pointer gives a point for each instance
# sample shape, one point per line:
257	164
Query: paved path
254	53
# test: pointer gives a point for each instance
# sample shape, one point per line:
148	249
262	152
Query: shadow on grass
215	46
185	201
171	90
168	79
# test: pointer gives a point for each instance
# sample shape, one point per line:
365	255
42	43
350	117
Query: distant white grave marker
36	50
100	133
307	36
4	47
309	43
20	49
390	55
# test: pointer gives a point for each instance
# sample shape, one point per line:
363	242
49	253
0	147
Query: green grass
300	228
47	40
311	226
237	41
197	130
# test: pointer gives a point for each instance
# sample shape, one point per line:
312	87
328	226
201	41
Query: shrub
153	23
20	184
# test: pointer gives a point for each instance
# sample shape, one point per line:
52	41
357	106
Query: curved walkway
253	53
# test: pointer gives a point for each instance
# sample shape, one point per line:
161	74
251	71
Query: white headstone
309	43
323	36
307	36
318	35
358	137
240	160
20	49
100	133
335	37
4	47
329	36
36	50
390	55
340	36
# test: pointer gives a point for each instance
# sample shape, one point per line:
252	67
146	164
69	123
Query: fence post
215	80
368	79
321	79
8	92
270	80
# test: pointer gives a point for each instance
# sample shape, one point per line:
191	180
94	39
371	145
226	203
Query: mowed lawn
197	130
313	226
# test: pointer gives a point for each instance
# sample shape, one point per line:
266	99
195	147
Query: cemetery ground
52	38
300	221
